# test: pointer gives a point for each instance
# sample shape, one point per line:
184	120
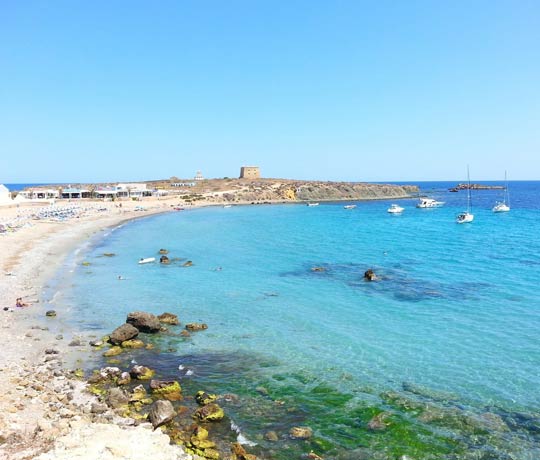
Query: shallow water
455	312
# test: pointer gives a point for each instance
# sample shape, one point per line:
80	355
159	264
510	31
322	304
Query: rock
196	326
113	351
141	372
318	269
168	318
59	337
185	333
189	263
75	343
96	343
51	351
123	333
161	412
239	453
300	432
369	275
209	413
50	313
124	379
204	398
116	398
262	391
377	423
98	408
168	389
132	343
271	436
109	254
144	322
138	394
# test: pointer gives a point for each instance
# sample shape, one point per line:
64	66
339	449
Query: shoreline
36	407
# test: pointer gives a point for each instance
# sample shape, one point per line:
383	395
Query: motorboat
313	204
466	216
227	205
349	206
147	260
429	203
395	209
504	205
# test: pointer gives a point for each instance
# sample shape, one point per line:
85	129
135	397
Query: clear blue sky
337	90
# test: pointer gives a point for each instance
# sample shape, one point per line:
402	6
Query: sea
437	359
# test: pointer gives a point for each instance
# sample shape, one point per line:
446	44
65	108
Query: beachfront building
71	193
39	194
107	193
133	190
250	172
5	195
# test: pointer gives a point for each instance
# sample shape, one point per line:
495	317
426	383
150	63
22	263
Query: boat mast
468	191
506	192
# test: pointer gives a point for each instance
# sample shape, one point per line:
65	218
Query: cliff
293	191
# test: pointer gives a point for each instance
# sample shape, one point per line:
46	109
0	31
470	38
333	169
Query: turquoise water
452	325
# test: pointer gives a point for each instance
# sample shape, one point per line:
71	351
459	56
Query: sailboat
504	205
466	216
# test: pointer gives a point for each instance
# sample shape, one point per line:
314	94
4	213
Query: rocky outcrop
196	326
301	432
144	322
161	412
209	413
168	318
123	333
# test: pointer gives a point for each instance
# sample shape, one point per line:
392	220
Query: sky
307	89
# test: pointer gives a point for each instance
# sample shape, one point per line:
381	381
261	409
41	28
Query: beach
40	400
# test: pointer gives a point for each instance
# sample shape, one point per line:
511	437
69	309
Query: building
75	193
39	194
5	195
250	172
198	177
134	190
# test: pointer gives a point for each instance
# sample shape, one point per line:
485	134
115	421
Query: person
19	303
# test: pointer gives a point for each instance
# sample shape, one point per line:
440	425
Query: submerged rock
132	343
144	322
300	432
123	333
196	326
117	398
377	423
239	453
168	389
141	372
209	413
203	398
50	313
161	412
113	351
168	318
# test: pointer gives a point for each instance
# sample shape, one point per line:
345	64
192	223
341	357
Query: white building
39	194
5	195
134	190
199	176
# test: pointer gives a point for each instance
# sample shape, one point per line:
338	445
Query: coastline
36	407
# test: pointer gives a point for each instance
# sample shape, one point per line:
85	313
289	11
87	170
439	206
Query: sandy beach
43	408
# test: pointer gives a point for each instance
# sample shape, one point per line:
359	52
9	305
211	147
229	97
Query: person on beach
19	303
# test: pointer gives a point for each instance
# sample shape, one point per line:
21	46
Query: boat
349	206
313	204
147	260
466	216
504	205
395	209
429	203
227	205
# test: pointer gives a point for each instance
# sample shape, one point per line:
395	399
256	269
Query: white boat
313	204
147	260
466	216
429	203
395	209
349	206
227	205
504	205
